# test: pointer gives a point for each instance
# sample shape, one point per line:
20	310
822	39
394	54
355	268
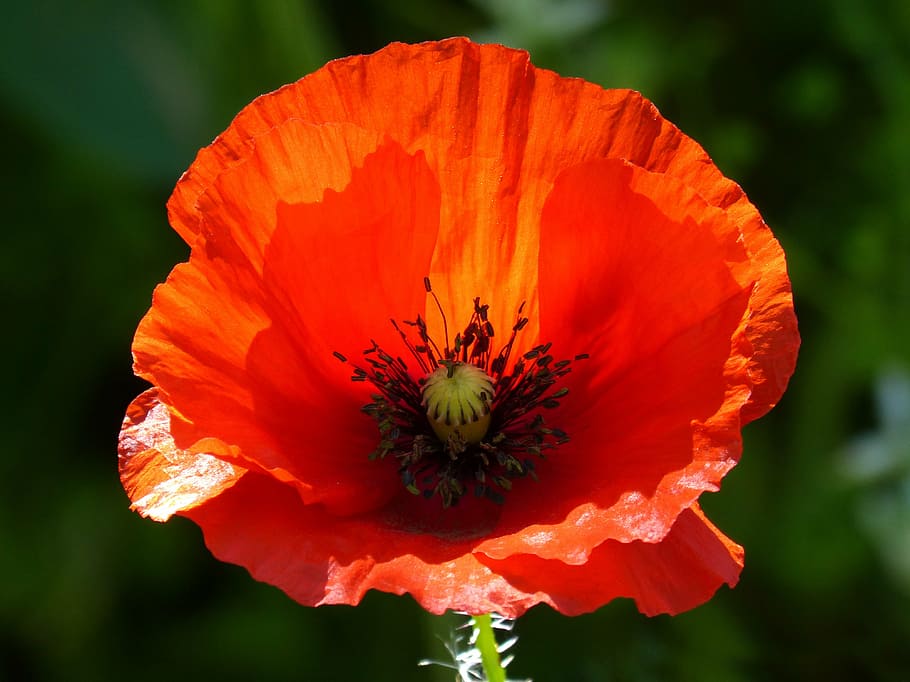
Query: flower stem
486	645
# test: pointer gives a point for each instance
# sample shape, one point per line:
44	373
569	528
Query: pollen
458	398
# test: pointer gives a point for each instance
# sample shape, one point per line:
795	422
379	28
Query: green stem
486	645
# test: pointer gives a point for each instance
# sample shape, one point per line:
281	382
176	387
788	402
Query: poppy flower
455	326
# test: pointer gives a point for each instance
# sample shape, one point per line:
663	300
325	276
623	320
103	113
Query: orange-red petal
497	132
641	273
244	350
160	478
317	558
674	575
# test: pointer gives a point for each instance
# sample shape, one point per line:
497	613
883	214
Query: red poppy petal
266	158
344	267
771	329
318	558
295	162
653	414
453	100
247	356
160	478
679	573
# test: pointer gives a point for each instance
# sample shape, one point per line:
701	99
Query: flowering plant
584	313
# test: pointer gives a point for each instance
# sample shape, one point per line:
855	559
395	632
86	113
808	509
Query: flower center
458	398
472	420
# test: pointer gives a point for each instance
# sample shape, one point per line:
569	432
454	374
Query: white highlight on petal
191	480
167	479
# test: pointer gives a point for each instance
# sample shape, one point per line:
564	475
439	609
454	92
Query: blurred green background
104	104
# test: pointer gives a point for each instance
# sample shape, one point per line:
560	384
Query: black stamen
445	324
431	467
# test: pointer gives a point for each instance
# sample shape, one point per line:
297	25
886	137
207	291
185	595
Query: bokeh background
104	104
